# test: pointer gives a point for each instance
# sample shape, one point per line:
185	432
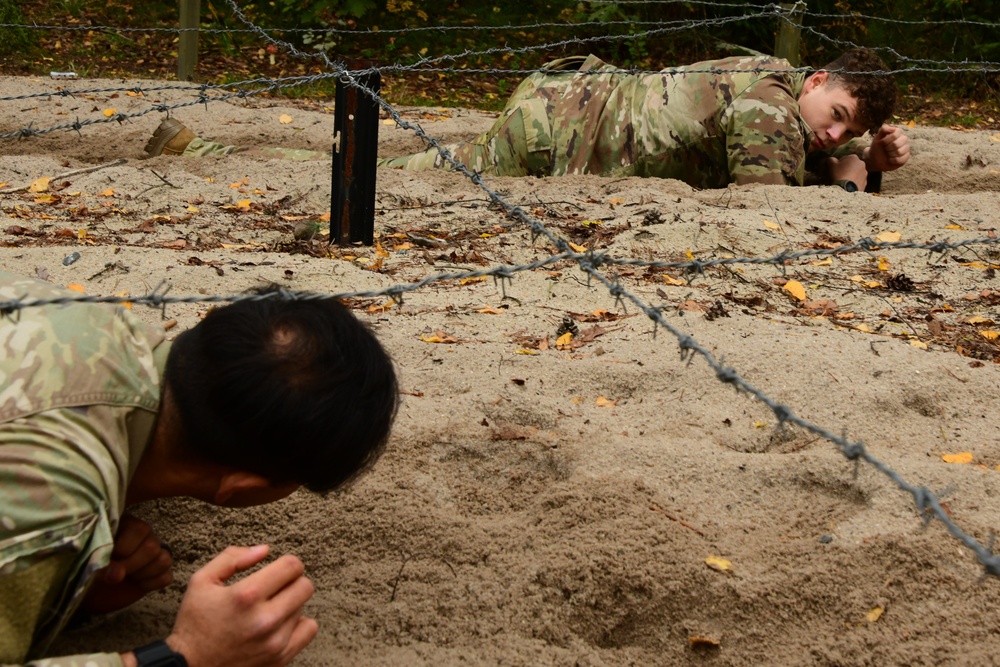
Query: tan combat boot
170	138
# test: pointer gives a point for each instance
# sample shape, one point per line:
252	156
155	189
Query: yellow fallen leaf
562	343
979	319
959	227
134	93
45	199
526	351
284	119
209	179
989	334
76	287
591	223
795	288
325	217
108	113
602	402
690	255
617	200
193	209
40	184
875	614
490	310
759	424
960	457
911	124
243	204
883	264
670	280
822	262
439	337
475	279
126	304
888	237
81	234
110	192
388	121
577	248
872	284
771	225
918	344
863	328
856	279
717	563
4	184
976	265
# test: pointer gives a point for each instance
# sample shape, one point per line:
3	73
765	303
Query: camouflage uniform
79	393
201	148
707	128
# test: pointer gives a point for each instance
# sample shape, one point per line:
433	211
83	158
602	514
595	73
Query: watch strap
158	654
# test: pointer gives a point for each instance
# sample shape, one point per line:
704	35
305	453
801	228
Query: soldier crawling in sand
752	119
99	412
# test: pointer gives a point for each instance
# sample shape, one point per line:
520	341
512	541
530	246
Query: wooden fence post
187	47
786	42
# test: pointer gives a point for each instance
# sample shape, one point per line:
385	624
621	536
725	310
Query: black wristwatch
158	654
849	186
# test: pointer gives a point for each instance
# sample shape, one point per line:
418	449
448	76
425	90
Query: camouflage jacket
734	120
79	392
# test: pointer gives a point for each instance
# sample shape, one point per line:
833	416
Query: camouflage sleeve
764	141
88	660
852	147
55	529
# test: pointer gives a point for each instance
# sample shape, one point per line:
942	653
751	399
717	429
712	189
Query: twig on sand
670	516
75	172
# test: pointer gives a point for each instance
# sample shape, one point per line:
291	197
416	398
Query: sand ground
544	506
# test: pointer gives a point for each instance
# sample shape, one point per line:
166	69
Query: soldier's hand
890	149
848	168
255	622
139	565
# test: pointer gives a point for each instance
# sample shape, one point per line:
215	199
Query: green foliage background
704	31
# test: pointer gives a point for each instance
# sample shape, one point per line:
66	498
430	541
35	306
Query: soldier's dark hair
863	74
292	390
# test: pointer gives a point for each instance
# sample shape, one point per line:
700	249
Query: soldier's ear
816	80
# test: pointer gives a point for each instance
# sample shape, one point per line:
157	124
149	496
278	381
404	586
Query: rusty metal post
355	147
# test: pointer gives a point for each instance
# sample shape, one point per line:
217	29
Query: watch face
851	186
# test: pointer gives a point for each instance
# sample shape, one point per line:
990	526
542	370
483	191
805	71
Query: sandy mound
540	506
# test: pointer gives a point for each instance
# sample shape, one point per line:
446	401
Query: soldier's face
830	111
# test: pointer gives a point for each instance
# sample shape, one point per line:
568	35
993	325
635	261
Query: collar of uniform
798	82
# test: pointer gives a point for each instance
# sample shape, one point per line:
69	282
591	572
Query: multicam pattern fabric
79	391
201	148
734	120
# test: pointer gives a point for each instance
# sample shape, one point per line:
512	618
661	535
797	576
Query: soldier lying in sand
736	120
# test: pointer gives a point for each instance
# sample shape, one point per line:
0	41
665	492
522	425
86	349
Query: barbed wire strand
926	502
